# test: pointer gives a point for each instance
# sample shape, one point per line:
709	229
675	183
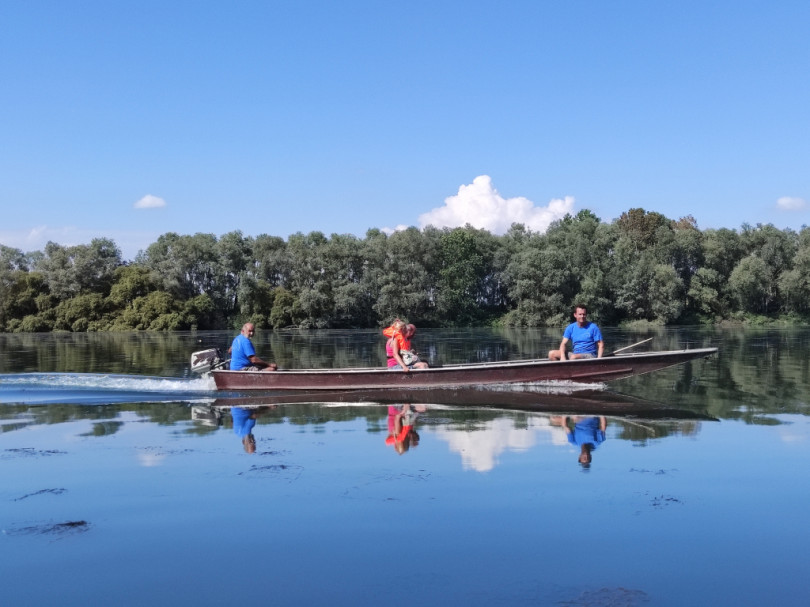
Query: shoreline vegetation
641	270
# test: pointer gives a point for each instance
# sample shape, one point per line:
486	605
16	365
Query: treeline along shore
641	268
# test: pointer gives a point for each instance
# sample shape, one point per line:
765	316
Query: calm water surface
126	481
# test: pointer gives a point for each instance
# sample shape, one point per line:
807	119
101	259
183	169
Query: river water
127	480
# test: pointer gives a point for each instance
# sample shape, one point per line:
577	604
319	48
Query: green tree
465	278
129	283
20	297
749	285
81	269
407	282
271	260
81	313
286	310
705	292
794	284
642	227
186	266
722	251
233	252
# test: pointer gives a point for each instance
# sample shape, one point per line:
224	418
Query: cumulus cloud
150	202
791	203
480	205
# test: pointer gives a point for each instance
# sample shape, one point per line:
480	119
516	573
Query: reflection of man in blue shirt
243	422
588	434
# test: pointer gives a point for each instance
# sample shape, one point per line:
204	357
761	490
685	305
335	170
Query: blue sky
132	119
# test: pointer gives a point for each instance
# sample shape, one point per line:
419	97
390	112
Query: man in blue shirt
243	355
585	335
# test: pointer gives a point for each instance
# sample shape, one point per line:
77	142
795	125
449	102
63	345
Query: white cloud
480	205
401	227
35	238
791	203
150	202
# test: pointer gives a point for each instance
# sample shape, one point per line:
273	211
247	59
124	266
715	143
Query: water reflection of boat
581	402
448	376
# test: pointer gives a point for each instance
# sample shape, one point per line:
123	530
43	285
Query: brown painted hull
451	376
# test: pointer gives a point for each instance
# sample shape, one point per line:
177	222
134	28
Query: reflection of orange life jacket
399	437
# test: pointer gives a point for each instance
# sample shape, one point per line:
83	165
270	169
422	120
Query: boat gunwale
693	352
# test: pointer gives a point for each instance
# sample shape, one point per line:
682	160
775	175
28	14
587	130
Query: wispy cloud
35	239
480	205
791	203
150	202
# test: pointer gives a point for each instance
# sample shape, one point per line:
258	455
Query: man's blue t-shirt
241	351
583	338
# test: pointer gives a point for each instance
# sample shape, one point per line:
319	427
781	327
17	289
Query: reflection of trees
142	353
106	428
646	430
758	372
104	417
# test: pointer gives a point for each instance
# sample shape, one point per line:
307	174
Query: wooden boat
597	370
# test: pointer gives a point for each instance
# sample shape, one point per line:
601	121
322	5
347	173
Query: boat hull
594	370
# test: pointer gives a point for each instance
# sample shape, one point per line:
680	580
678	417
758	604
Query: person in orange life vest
399	338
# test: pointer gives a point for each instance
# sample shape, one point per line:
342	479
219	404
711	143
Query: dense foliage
643	267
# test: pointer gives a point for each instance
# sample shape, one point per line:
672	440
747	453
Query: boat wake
553	386
92	388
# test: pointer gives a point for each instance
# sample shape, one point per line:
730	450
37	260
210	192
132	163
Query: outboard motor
205	360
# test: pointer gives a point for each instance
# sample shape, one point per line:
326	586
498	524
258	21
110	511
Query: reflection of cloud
792	436
479	449
151	459
480	205
791	203
150	202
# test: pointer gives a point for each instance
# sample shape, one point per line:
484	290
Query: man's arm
257	361
601	346
263	364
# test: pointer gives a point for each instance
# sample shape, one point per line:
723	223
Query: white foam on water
94	381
